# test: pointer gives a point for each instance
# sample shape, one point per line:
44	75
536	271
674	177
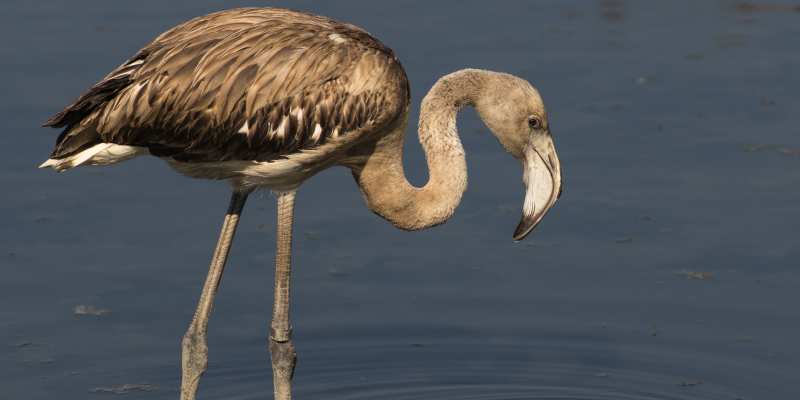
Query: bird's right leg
195	350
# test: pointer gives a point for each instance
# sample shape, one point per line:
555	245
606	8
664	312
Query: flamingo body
262	96
267	97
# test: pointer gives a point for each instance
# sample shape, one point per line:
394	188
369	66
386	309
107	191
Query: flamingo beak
542	179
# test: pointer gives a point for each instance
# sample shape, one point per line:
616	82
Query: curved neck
382	179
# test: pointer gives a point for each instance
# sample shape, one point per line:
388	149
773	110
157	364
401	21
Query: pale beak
542	179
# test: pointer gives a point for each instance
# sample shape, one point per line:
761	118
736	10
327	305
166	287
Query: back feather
245	84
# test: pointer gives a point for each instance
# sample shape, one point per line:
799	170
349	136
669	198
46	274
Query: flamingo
266	98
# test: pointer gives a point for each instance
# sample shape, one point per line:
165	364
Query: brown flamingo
266	98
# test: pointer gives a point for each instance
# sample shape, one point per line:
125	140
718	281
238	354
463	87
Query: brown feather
190	92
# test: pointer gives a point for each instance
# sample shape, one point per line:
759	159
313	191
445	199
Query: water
676	126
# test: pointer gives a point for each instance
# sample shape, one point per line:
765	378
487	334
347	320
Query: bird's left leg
195	350
284	355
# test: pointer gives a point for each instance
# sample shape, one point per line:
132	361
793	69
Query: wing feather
293	80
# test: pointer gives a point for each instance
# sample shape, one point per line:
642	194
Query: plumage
188	94
267	98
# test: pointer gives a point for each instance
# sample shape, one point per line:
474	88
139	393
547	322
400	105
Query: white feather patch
245	129
122	74
317	133
299	116
336	38
87	154
99	154
282	128
115	153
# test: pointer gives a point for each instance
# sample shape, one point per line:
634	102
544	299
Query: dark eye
534	123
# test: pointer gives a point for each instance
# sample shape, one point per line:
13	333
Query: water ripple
491	371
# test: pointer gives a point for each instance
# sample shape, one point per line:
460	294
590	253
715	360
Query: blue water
676	125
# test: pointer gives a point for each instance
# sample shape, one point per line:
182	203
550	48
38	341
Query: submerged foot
284	358
195	362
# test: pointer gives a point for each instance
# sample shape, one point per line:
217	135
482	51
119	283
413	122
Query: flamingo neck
382	180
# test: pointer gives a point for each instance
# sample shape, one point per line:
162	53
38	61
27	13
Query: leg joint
280	335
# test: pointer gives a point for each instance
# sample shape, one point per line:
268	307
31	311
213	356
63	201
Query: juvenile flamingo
266	98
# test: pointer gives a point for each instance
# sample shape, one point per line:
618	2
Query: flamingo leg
195	350
281	348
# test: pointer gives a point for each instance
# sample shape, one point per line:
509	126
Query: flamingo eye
533	122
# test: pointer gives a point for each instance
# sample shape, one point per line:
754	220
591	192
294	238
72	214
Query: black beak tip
523	229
